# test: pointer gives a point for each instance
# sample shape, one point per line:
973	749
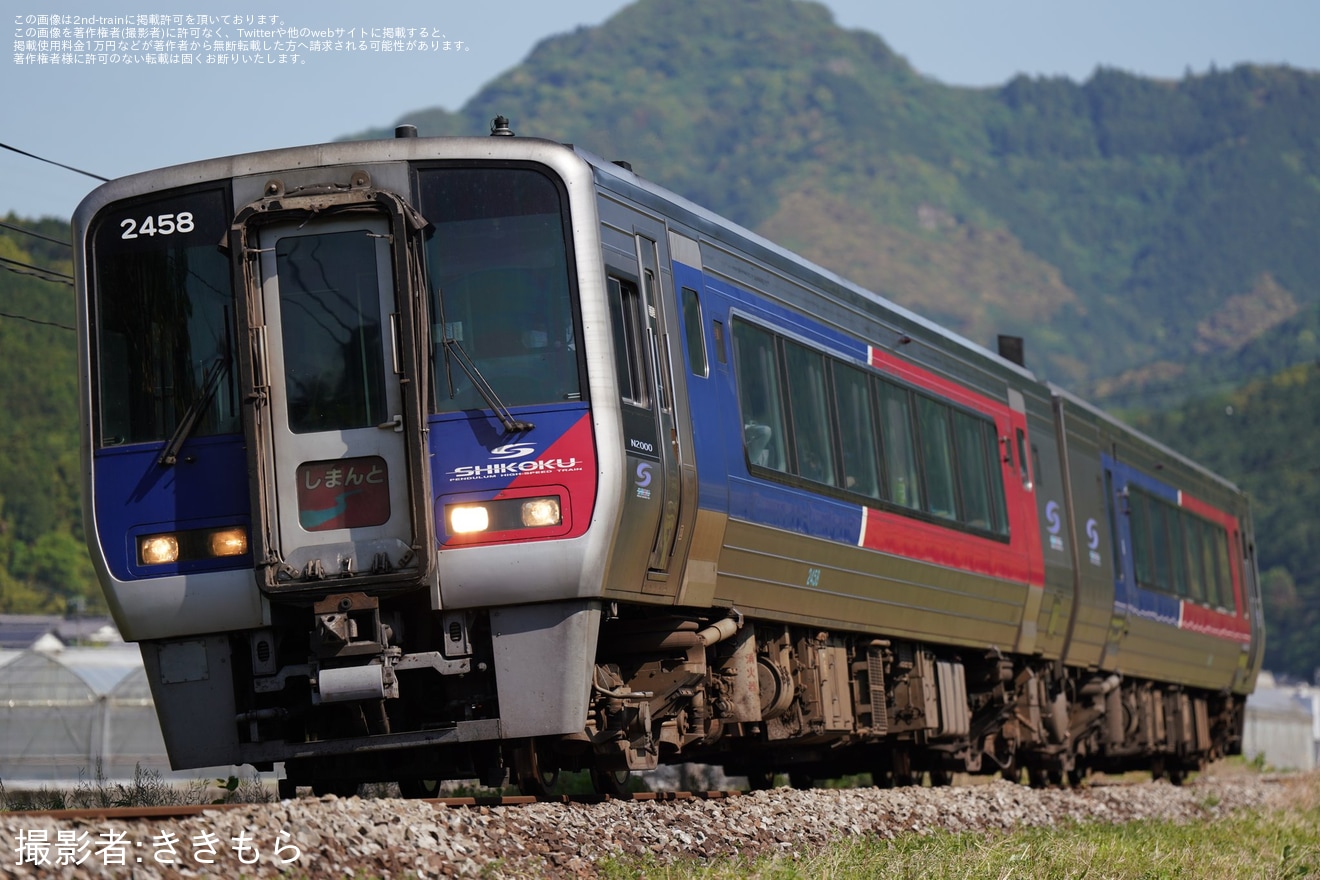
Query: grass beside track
1281	843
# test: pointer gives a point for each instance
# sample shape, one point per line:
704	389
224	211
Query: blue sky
115	120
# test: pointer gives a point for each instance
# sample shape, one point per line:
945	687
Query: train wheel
760	780
903	775
419	788
882	778
801	781
532	776
610	782
1076	776
339	787
940	777
1177	775
1037	778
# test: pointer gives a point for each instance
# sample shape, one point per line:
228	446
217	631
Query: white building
1283	724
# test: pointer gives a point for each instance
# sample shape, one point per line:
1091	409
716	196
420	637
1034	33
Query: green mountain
43	560
1124	226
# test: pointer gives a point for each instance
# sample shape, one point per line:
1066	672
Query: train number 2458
161	224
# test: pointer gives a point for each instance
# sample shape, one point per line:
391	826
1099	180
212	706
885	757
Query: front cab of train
328	393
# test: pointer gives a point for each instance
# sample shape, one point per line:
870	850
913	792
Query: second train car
434	458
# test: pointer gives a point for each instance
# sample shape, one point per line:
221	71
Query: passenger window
1225	573
1022	459
1141	552
937	456
973	473
696	340
808	403
659	359
1196	560
1177	552
902	478
759	397
857	434
625	315
1159	545
1213	595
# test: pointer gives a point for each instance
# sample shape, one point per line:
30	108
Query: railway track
561	836
183	811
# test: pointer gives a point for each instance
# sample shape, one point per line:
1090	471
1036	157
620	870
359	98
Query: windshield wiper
453	348
210	383
511	424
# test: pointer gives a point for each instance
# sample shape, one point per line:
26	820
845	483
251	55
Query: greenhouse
75	714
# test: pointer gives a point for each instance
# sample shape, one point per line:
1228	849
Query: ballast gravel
334	837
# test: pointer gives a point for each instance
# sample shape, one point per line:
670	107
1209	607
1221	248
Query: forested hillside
1125	226
43	561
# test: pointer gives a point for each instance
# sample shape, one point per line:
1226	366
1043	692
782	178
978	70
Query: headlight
229	542
158	549
540	512
192	545
503	515
467	518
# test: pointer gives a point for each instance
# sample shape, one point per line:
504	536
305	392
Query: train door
1120	536
1057	598
1087	527
336	459
657	347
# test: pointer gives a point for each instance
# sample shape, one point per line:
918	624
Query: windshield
498	265
162	306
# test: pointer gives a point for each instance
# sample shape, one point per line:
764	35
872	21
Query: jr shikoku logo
513	450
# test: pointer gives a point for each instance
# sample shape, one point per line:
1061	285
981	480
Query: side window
808	403
696	340
1225	573
1141	552
1112	507
717	330
625	316
1177	552
759	396
1214	593
853	430
1196	560
903	480
857	433
1022	458
973	473
937	456
1159	545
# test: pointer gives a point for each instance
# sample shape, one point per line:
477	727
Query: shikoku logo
513	450
1055	524
644	480
1093	540
511	460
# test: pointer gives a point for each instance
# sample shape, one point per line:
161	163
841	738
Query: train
422	459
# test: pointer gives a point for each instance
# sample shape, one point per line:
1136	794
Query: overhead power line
35	271
35	234
37	321
53	162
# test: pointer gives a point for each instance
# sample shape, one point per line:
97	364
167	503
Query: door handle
395	424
